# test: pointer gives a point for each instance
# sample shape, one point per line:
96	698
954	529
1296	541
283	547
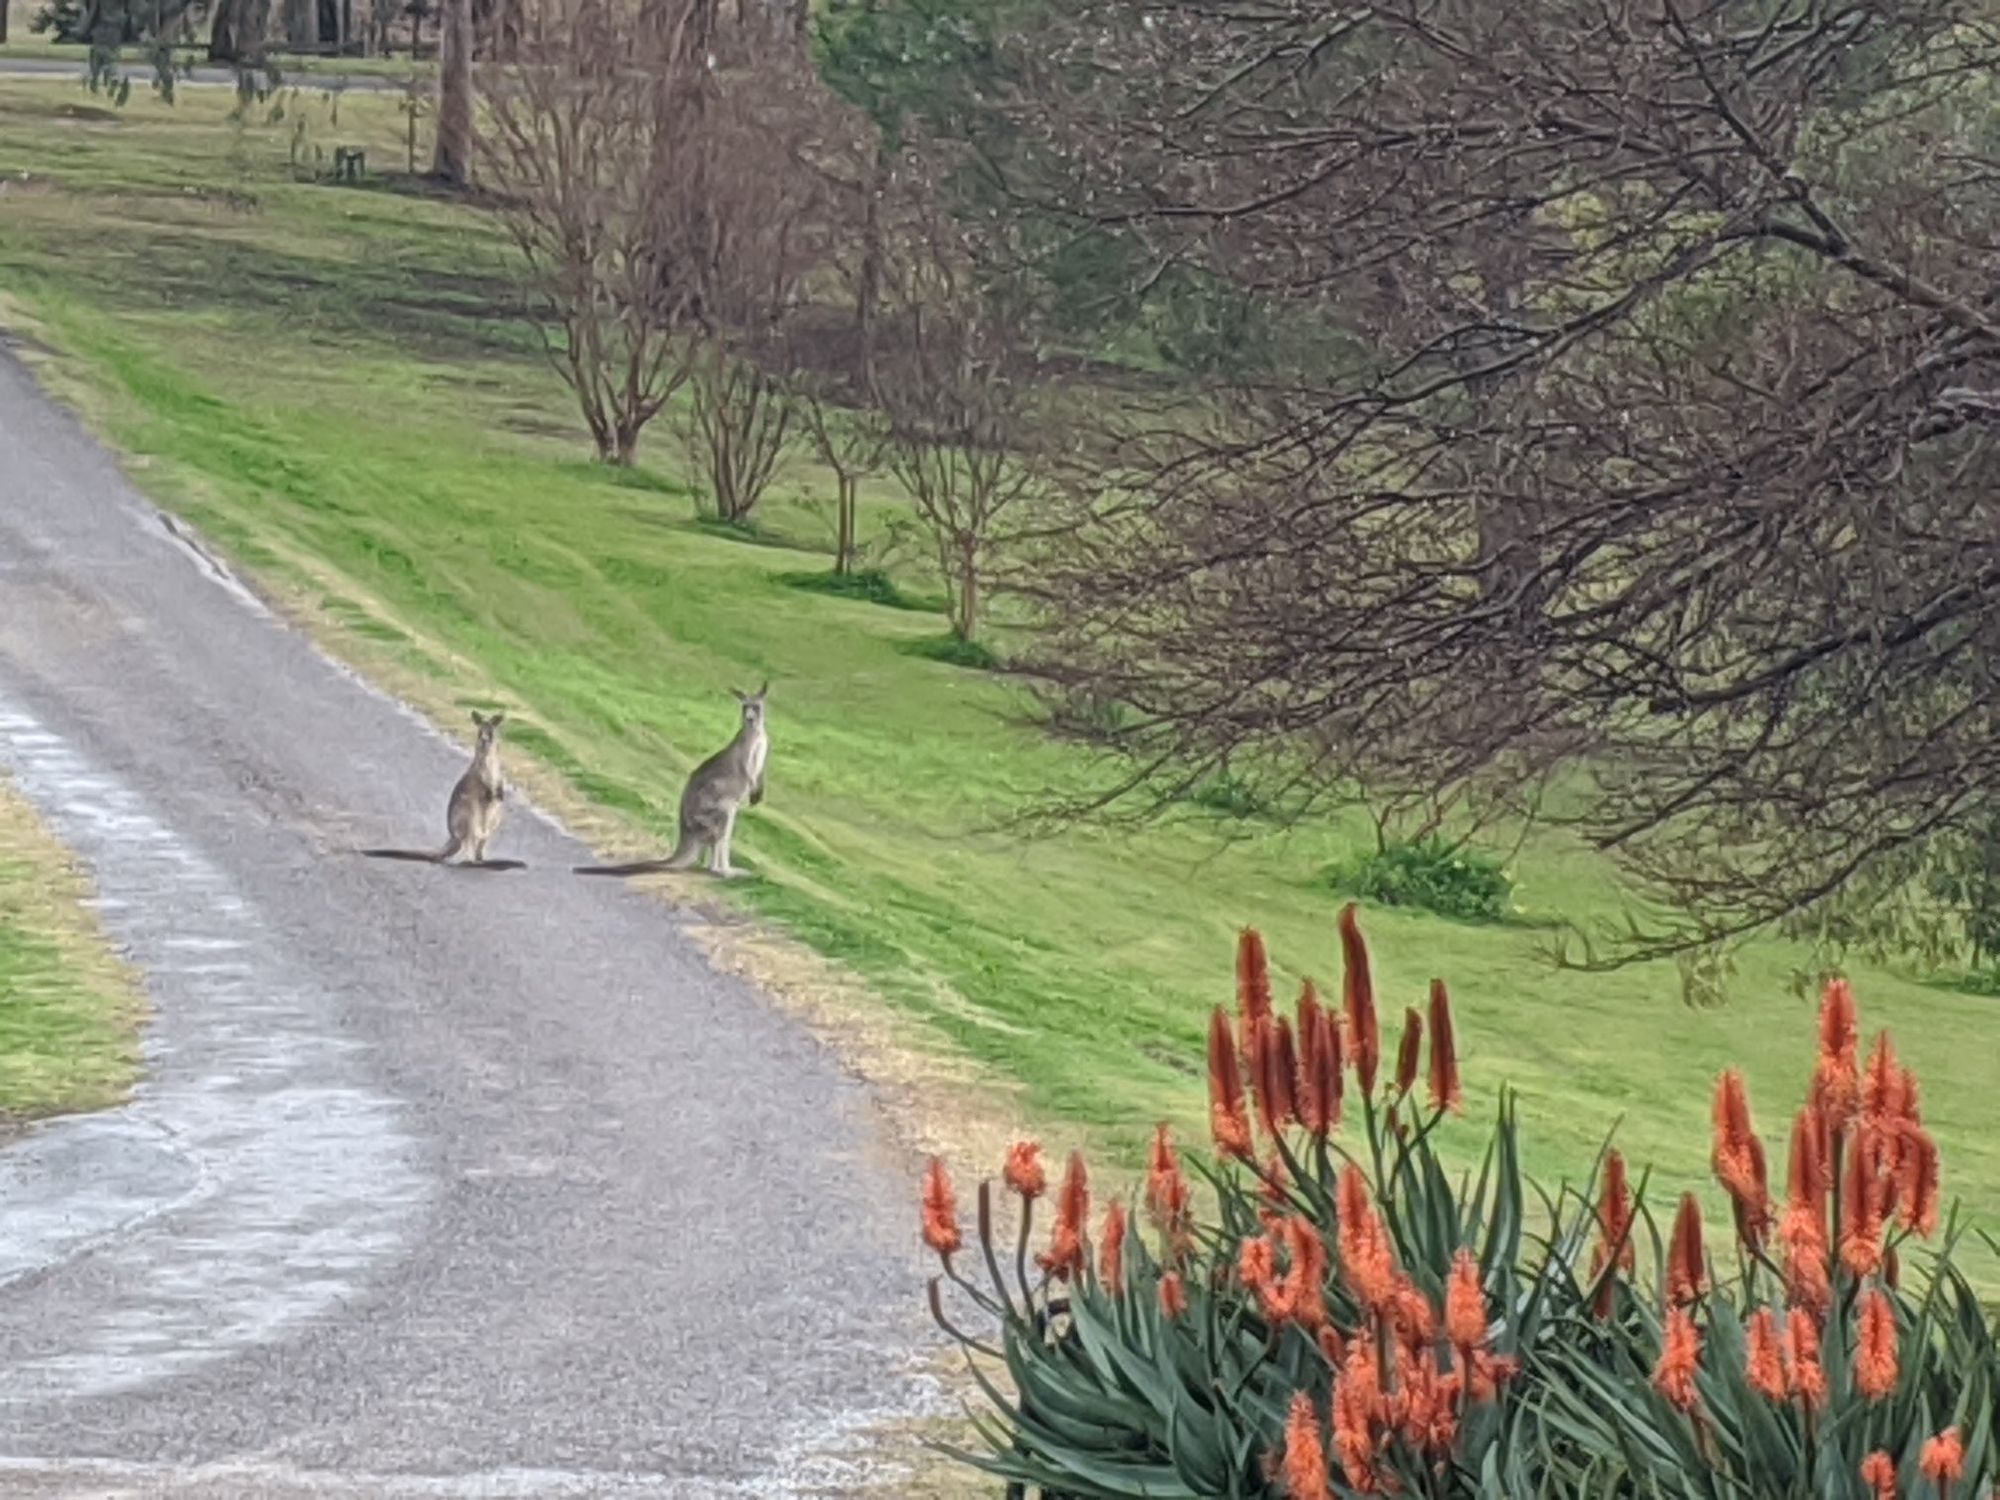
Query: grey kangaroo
718	789
472	816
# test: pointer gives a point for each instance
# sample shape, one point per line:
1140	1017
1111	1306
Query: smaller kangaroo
472	816
718	789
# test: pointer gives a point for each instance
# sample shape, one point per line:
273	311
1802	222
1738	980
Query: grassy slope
327	381
68	1011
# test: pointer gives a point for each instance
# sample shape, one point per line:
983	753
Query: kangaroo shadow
428	857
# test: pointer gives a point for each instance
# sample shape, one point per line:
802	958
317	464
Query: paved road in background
203	77
441	1182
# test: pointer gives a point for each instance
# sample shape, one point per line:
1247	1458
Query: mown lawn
336	384
69	1011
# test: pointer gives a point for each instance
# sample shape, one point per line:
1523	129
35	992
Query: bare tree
739	425
1602	426
852	439
957	391
598	156
768	210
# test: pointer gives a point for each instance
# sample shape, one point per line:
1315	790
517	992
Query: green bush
954	651
1353	1317
1449	879
868	585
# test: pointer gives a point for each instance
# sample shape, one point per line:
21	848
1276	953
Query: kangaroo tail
686	852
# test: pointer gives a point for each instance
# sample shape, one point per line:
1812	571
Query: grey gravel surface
440	1182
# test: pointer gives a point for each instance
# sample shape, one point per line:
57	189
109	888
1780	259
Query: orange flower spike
1409	1056
1257	1269
1226	1117
1464	1304
1807	1184
1357	1403
1942	1461
1687	1268
1065	1255
1260	1060
1365	1257
1410	1313
1808	1375
1167	1192
940	1211
1920	1183
1284	1074
1837	1080
1882	1082
1253	982
1024	1172
1308	1094
1738	1157
1173	1295
1331	1347
1111	1250
1875	1346
1614	1211
1680	1355
1445	1091
1364	1034
1861	1206
1331	1079
1304	1287
1303	1465
1878	1472
1764	1361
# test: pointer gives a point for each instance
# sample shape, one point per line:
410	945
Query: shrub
868	585
953	650
1352	1318
1446	878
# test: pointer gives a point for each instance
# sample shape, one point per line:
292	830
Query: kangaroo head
489	727
753	706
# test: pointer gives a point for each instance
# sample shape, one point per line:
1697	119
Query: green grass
68	1011
335	385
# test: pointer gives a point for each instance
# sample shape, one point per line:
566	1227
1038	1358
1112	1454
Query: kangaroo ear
478	719
498	719
762	691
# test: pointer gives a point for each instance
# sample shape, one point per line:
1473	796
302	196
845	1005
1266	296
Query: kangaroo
718	789
472	816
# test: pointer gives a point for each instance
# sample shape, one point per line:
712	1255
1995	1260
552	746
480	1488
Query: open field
69	1011
337	386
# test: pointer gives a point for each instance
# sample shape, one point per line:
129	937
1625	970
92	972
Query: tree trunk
843	545
238	35
223	43
868	283
302	25
968	600
452	163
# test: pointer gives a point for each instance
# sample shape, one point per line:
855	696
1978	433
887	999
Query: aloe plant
1351	1317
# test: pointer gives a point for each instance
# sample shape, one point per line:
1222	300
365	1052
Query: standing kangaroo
472	816
718	789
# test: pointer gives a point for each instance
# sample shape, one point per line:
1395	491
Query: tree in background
851	438
590	151
958	390
770	225
1621	414
451	161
